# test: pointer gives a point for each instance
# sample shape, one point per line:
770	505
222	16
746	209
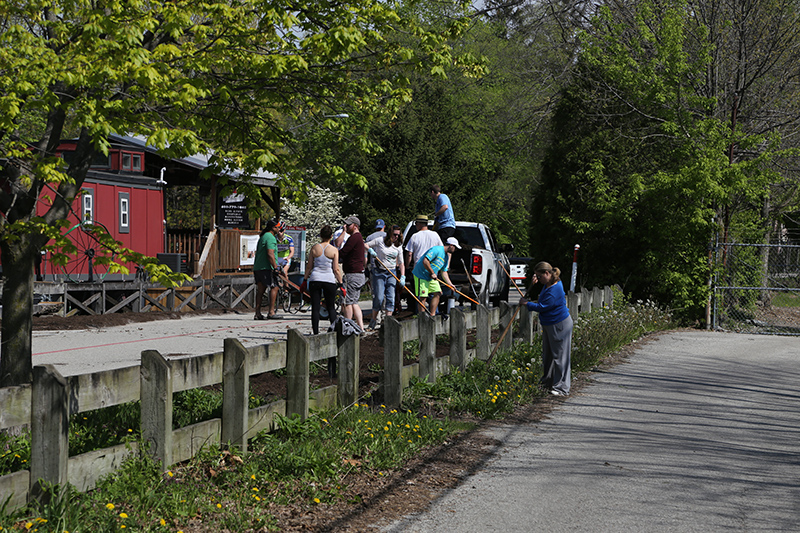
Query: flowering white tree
322	206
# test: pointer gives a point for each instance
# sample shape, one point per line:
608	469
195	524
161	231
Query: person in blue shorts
427	271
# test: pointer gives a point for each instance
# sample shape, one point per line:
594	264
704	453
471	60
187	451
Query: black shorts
267	278
444	233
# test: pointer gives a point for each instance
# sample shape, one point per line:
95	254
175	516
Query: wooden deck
231	292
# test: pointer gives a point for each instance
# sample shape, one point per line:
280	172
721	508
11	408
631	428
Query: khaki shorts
352	284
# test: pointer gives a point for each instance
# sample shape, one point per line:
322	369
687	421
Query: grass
223	490
786	299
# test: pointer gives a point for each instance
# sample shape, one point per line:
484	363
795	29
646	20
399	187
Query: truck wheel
485	298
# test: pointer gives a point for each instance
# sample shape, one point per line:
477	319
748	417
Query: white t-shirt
421	242
391	256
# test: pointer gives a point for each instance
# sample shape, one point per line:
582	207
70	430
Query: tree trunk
17	326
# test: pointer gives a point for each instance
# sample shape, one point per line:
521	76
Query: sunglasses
395	234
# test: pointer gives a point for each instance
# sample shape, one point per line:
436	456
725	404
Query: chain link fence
757	288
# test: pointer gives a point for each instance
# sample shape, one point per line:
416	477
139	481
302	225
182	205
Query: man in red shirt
353	257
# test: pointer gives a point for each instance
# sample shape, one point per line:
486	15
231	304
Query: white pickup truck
476	269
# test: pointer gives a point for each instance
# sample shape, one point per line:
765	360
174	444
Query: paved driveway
697	431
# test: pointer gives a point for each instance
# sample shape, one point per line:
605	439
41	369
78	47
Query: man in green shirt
265	268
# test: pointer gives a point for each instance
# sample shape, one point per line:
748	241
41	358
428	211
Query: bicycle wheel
288	305
82	265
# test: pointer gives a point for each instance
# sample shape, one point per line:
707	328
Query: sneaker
555	392
372	325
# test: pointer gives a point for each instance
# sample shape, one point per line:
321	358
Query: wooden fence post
458	338
156	402
573	304
170	303
297	379
506	313
49	429
348	348
597	298
483	333
235	394
392	362
527	324
427	347
609	296
586	300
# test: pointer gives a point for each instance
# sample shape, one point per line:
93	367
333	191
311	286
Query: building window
124	212
131	162
87	206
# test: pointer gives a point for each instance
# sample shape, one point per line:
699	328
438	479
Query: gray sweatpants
556	352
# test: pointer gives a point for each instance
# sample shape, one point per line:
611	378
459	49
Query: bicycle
290	299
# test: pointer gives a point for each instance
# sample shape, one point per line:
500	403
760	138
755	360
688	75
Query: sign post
574	268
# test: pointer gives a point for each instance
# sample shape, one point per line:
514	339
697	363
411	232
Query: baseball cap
352	219
380	224
454	242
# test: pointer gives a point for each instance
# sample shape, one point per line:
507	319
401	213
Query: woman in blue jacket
556	325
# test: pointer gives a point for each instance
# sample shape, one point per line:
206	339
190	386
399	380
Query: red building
124	192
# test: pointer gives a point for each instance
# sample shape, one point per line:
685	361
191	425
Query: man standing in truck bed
444	218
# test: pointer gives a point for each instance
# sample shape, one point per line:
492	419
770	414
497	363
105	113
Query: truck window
491	239
470	236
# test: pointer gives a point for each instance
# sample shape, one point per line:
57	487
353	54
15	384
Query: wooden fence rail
46	404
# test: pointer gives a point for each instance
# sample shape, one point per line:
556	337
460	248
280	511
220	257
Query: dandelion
162	522
110	506
316	500
253	476
123	515
219	506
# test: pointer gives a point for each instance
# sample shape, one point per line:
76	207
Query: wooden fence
47	404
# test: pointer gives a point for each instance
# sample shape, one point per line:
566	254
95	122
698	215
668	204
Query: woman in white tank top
323	277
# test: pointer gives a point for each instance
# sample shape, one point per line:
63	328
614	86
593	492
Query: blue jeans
383	289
